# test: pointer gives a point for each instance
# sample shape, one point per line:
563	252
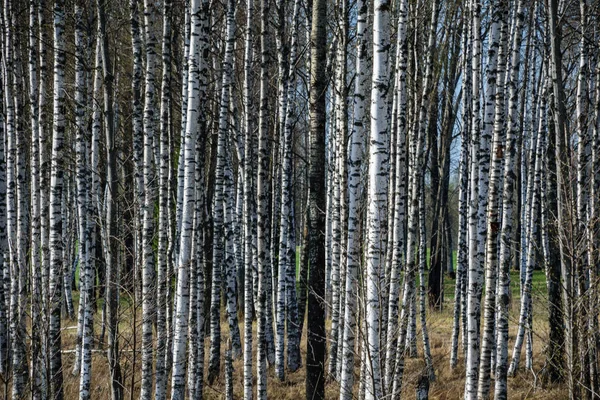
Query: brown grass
448	385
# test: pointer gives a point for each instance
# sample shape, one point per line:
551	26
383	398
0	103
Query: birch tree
36	365
148	266
493	120
248	203
286	297
191	136
377	193
462	250
83	351
56	188
507	211
207	193
163	210
229	256
137	130
354	193
338	179
525	306
475	272
16	210
398	237
415	162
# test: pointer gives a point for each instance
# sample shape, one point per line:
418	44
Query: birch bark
354	198
377	192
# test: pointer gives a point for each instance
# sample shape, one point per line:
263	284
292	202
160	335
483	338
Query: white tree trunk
229	257
84	350
148	265
248	203
377	193
286	298
361	87
56	189
194	113
475	272
36	359
163	212
399	237
417	145
493	121
508	191
526	304
138	137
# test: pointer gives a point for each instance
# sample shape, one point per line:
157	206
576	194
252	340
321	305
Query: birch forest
299	199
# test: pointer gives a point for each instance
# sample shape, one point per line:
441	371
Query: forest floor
449	384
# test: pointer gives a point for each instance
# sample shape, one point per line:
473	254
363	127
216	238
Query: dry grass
448	385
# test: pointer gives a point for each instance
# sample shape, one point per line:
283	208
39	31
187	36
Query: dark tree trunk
303	273
440	179
315	359
560	147
555	351
435	260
